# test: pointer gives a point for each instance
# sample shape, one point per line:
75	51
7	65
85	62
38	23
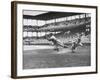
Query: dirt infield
46	57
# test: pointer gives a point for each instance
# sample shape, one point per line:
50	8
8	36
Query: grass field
45	57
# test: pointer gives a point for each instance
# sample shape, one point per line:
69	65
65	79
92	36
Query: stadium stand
75	26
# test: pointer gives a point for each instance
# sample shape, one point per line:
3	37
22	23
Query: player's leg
73	47
62	45
80	44
56	47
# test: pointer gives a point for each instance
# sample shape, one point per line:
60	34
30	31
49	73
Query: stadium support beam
32	34
85	20
37	30
45	22
27	33
27	28
55	20
66	18
79	16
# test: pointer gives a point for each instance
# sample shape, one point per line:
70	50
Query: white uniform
56	42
